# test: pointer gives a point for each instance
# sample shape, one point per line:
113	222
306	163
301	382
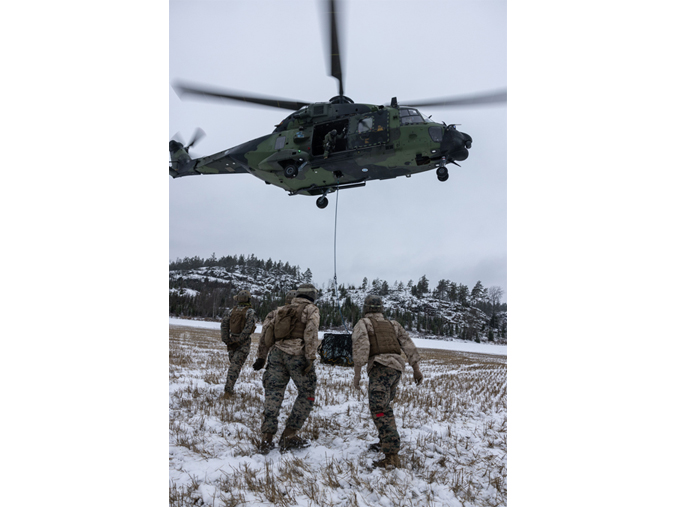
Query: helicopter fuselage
373	143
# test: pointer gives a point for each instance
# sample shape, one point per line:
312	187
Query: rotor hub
341	99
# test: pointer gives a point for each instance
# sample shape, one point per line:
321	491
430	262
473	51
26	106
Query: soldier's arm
407	344
250	324
311	334
360	344
225	326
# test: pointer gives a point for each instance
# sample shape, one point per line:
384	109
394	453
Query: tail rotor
181	163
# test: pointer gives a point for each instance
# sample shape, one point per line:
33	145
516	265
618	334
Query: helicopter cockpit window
364	125
436	134
409	116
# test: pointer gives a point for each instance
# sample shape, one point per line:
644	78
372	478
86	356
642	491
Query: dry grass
453	429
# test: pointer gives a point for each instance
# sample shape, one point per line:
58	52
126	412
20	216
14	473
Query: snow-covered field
453	429
458	345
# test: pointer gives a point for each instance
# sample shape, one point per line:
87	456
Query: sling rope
335	275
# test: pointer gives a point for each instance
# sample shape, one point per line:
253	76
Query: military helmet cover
308	290
243	296
373	304
290	295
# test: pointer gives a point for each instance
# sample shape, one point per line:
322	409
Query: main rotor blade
469	100
185	89
334	57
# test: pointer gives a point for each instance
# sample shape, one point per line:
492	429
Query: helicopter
322	147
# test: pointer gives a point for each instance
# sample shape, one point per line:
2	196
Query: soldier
264	344
236	328
294	332
330	141
379	342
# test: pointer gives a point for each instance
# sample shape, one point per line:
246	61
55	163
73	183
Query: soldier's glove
417	374
258	364
357	377
308	368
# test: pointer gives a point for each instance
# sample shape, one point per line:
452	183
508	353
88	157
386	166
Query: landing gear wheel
322	202
442	174
290	171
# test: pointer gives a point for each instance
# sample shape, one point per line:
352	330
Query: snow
459	345
452	428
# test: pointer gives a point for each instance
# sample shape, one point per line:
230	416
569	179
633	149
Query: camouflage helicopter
322	147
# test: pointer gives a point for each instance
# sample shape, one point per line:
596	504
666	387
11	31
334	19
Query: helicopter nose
455	144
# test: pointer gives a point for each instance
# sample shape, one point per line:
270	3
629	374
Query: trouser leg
306	385
237	360
383	383
275	379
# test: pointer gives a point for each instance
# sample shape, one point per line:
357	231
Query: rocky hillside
450	311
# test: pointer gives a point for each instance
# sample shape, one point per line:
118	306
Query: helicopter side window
409	116
364	125
280	142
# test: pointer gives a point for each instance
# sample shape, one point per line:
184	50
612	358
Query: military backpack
288	324
237	323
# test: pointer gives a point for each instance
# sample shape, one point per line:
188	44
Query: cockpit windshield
409	115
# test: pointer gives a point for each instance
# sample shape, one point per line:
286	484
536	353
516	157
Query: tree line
230	261
483	314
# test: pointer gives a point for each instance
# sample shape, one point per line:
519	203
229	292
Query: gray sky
399	229
591	210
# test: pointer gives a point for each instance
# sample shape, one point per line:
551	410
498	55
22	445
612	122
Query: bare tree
494	295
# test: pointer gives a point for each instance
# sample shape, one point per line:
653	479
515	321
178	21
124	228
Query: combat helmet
243	296
290	295
373	304
307	290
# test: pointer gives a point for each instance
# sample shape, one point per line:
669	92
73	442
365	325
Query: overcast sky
395	230
590	236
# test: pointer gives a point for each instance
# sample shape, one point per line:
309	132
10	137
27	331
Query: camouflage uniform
288	359
330	141
238	344
281	368
267	339
384	371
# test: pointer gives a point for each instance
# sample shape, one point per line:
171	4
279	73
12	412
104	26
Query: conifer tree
478	293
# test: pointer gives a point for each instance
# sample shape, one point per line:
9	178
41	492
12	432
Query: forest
205	288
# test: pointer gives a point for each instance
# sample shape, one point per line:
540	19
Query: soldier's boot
227	394
390	461
375	447
266	443
289	440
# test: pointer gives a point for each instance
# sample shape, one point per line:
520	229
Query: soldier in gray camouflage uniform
236	328
294	335
379	342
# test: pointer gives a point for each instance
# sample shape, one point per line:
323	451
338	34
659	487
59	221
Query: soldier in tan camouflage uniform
379	342
263	345
236	328
294	334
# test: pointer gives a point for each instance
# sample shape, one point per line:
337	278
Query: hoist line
335	271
